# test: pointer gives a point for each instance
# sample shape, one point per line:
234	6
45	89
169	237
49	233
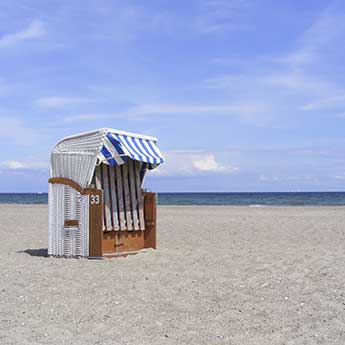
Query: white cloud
208	163
225	81
304	64
326	103
190	109
59	102
263	178
32	163
279	76
14	130
130	21
328	28
189	163
13	165
208	17
148	110
297	80
84	117
216	16
34	30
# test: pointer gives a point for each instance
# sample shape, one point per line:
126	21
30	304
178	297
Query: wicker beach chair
97	205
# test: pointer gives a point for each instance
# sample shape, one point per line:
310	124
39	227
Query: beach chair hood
76	157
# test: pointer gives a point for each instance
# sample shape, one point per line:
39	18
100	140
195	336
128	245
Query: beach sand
221	275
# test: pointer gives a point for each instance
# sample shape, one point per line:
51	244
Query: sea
233	199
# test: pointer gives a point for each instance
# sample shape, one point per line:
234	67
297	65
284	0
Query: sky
242	95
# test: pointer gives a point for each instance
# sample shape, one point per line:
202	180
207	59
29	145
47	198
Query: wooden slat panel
133	194
121	205
115	214
140	195
95	223
106	192
129	221
150	208
98	181
98	177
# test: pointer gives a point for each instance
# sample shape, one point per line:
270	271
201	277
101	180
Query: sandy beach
221	275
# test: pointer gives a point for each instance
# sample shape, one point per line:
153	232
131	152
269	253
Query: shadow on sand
36	252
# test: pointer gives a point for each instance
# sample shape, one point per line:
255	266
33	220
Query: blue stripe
105	152
161	160
115	143
144	151
134	148
128	148
154	159
135	151
125	158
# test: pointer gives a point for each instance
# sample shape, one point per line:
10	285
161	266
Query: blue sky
243	95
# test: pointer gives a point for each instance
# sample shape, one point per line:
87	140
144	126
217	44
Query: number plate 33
94	199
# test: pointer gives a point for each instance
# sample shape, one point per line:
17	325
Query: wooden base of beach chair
112	243
124	241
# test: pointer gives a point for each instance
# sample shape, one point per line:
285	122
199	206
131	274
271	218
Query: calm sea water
244	199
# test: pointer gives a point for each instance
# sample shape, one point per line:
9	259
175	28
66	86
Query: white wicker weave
65	203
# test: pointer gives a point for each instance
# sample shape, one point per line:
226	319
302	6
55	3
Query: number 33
94	199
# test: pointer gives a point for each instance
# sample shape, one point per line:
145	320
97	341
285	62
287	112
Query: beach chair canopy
75	157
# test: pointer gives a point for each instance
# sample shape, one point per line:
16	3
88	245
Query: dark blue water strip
235	199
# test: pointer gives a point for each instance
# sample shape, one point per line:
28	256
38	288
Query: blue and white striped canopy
117	148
